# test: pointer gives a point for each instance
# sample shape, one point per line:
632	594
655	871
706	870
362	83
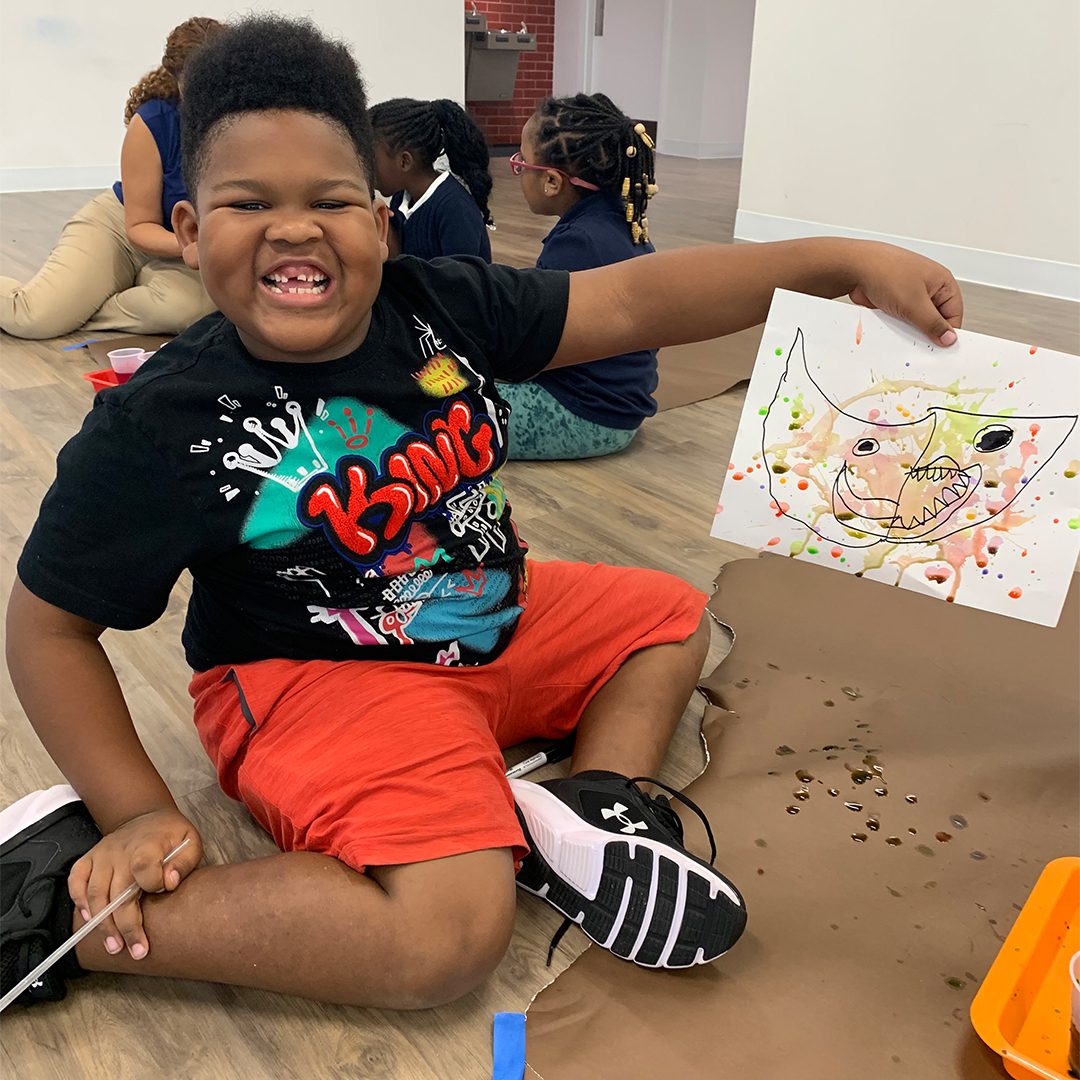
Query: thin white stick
79	934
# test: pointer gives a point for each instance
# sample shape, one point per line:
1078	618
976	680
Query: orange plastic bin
1022	1008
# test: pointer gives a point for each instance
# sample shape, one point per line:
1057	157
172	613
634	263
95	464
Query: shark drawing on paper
860	480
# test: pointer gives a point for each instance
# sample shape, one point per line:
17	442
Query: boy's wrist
111	812
845	262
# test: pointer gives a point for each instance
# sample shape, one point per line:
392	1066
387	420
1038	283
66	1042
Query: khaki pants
96	279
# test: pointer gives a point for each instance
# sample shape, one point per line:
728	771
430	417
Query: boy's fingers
181	864
77	882
919	310
97	899
129	923
147	869
950	302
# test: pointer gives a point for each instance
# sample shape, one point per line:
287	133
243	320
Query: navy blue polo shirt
445	220
162	117
616	391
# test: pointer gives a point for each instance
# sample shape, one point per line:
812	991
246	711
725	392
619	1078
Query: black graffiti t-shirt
340	510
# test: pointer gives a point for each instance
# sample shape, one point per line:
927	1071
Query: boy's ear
382	227
185	224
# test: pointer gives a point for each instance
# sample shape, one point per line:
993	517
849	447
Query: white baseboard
701	151
68	178
1020	272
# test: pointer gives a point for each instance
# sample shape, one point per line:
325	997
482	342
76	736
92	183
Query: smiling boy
365	629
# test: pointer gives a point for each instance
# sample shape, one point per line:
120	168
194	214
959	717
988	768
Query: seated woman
117	264
434	212
587	163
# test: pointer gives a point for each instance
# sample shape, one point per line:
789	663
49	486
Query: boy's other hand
133	852
911	287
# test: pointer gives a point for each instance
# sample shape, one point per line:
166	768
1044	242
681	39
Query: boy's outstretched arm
69	690
694	294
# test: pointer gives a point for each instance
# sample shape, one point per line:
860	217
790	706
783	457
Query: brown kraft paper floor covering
860	959
704	369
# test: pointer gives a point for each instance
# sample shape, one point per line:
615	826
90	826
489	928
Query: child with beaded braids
432	216
585	161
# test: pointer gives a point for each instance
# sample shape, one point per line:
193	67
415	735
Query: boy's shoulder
175	362
409	273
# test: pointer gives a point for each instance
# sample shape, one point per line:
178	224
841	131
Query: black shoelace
41	879
661	807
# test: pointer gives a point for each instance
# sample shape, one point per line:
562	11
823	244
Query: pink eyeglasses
518	165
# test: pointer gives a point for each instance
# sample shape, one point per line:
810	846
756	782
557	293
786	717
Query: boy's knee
459	954
453	954
453	934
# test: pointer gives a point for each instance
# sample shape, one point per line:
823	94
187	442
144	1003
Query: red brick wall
502	121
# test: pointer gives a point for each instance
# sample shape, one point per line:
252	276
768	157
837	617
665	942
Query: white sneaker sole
641	899
32	808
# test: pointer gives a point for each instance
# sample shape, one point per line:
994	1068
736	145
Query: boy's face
286	235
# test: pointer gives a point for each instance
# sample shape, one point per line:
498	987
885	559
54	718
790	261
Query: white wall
66	67
626	60
683	63
572	60
705	75
955	126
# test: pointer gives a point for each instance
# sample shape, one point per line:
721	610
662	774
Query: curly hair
268	62
164	80
590	137
429	128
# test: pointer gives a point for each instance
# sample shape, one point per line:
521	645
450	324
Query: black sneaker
611	859
41	837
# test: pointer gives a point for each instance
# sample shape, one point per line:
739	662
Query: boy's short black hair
268	62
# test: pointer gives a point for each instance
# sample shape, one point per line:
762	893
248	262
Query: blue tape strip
508	1046
79	345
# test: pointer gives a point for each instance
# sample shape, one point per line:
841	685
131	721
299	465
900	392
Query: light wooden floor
652	505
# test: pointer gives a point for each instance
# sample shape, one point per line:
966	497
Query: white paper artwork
952	472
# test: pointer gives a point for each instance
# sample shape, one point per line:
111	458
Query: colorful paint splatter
951	472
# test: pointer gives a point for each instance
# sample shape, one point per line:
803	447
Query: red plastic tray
102	380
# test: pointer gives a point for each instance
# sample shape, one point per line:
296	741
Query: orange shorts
379	763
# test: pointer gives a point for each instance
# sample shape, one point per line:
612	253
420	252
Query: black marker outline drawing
964	481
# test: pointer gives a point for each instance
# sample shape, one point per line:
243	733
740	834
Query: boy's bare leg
627	726
402	937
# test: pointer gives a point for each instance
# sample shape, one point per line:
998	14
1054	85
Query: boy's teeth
283	278
295	289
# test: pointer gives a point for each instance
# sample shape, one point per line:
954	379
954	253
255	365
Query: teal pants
543	430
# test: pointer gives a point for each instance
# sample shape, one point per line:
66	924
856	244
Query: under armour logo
619	811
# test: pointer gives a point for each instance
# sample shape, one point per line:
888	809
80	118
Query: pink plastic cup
127	361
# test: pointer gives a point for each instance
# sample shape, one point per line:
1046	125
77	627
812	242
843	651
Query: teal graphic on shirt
344	427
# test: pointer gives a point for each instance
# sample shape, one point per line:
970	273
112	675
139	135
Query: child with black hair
586	162
365	629
431	215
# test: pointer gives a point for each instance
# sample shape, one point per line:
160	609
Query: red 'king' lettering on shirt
365	513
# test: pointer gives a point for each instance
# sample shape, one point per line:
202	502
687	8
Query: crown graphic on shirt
278	438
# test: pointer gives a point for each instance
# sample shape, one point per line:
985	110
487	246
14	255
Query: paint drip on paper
952	472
